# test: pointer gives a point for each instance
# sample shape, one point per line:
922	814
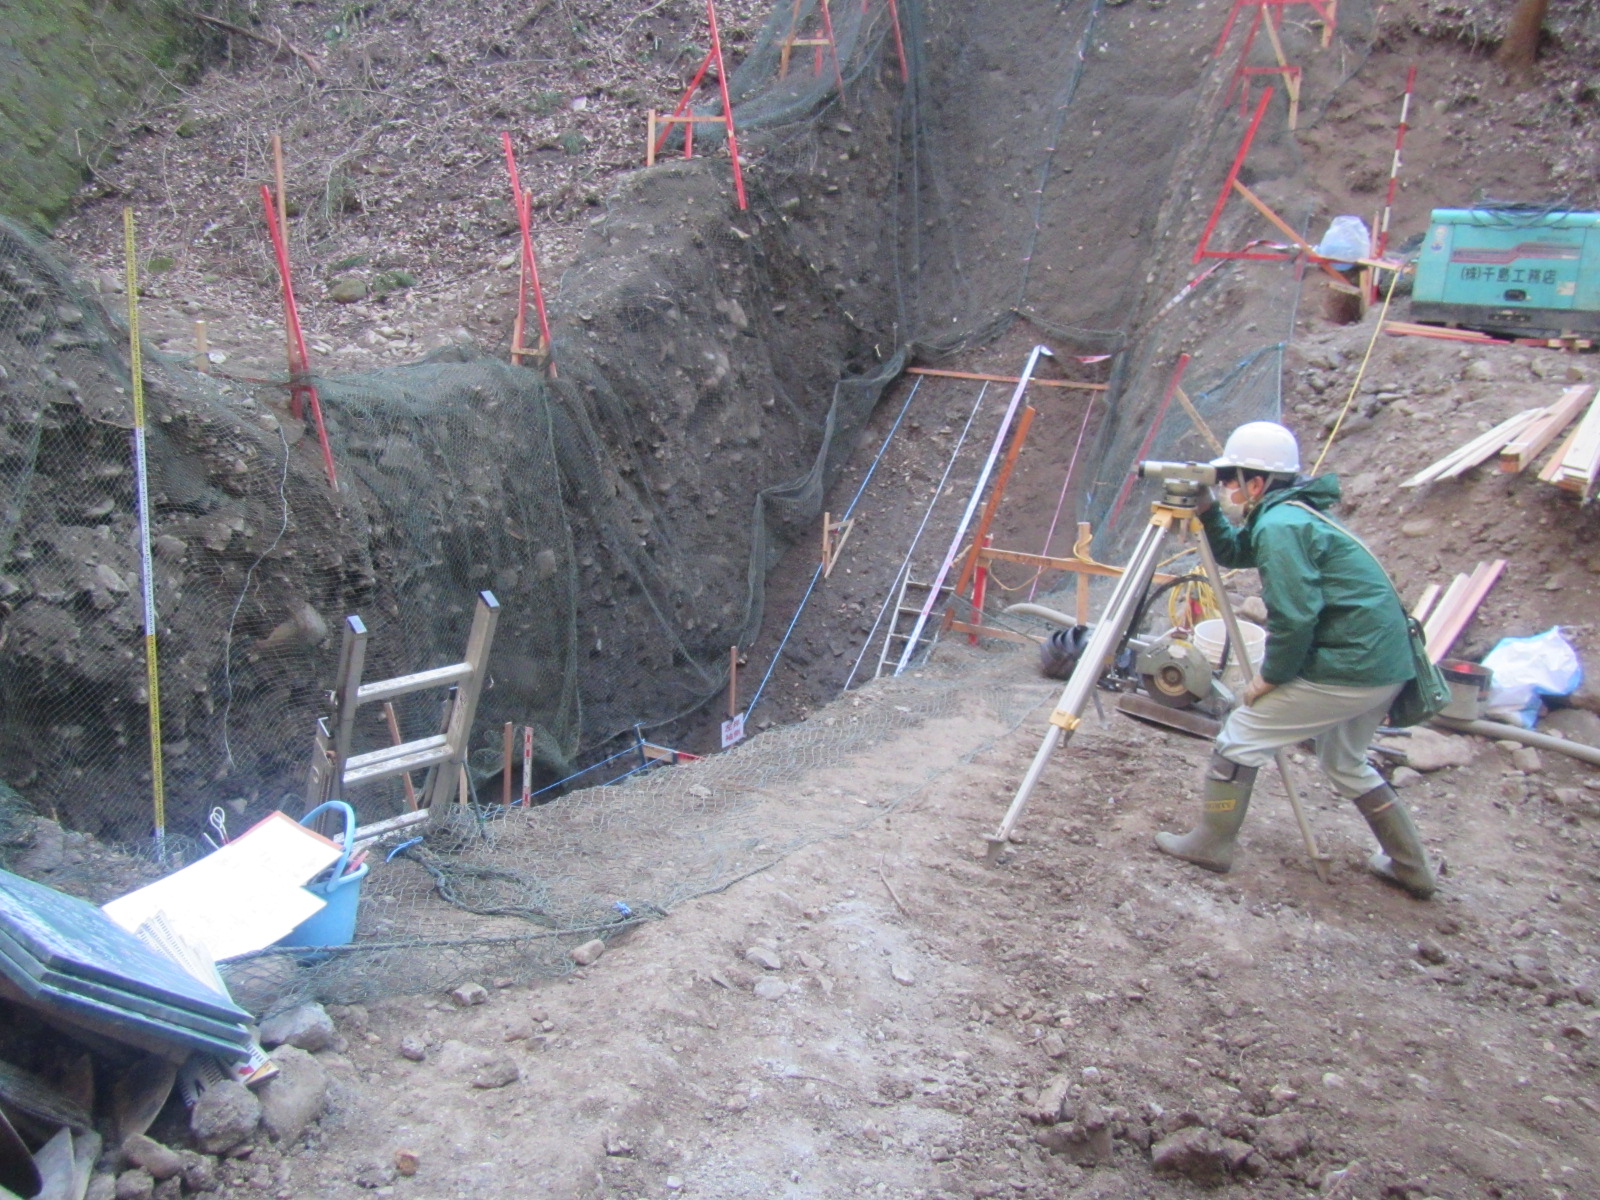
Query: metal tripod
1175	512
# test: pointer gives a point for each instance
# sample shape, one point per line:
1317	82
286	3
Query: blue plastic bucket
334	925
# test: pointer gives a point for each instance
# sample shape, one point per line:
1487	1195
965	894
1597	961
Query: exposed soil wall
72	69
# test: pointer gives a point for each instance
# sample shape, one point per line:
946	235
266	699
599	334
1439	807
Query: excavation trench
716	371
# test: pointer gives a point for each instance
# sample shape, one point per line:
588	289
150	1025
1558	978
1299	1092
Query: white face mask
1237	511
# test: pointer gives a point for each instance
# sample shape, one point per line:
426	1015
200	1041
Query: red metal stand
1299	250
529	272
299	361
1328	10
680	114
1203	250
816	43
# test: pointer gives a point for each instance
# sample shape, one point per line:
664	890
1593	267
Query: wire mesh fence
714	374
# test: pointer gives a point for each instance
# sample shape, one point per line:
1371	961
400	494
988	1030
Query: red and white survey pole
1394	167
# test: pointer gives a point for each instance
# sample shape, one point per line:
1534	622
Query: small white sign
733	731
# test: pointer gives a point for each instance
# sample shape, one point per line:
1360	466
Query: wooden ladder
334	770
904	620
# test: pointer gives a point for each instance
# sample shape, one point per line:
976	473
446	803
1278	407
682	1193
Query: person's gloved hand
1204	501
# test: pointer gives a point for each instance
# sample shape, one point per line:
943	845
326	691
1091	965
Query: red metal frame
714	55
899	42
1328	12
530	265
299	361
1203	250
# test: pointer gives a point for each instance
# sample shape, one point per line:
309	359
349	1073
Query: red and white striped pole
1394	167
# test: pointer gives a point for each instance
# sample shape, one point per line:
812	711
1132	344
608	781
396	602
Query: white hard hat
1261	446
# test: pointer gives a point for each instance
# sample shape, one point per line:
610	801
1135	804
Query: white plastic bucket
1210	636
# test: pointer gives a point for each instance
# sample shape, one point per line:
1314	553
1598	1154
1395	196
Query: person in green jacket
1337	653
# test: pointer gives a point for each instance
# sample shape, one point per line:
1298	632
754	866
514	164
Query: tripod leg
1319	861
1080	686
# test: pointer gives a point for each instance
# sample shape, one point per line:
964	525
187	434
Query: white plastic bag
1526	668
1347	239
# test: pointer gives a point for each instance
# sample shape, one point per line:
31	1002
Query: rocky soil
879	1013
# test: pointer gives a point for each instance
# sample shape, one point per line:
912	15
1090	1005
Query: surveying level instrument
1182	484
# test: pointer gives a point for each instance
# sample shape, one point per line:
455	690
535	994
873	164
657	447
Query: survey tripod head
1181	482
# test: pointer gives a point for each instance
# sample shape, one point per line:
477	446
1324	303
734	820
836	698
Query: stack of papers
243	897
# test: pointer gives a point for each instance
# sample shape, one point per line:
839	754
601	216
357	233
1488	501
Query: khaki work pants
1339	720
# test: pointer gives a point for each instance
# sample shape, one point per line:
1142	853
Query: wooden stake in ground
505	765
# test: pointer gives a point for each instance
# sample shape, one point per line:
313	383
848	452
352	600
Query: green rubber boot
1402	860
1226	800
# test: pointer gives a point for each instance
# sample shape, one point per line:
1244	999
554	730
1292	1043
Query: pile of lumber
1576	464
1565	341
1445	611
1442	332
1519	439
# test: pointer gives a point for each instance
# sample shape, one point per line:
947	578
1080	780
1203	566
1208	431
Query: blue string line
817	574
585	771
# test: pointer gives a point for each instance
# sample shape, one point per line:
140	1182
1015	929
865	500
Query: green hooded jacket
1332	614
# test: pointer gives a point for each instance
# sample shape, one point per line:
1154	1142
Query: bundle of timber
1575	466
1521	438
1445	611
1566	341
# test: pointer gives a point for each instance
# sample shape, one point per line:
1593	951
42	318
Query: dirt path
880	1013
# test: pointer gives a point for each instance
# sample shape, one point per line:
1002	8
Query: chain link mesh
715	371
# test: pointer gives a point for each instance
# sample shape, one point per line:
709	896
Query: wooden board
1581	463
1465	457
1539	433
1462	611
1408	328
1425	602
1033	382
1441	609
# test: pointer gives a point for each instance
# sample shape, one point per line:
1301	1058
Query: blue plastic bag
1527	668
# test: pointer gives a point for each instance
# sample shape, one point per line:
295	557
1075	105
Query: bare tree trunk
1521	45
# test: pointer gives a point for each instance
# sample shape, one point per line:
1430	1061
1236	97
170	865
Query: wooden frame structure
1244	72
659	127
1231	186
1081	563
817	44
334	769
528	275
834	535
1328	10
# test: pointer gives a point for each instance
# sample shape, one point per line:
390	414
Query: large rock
306	1026
1573	723
1429	750
1086	1139
226	1115
1283	1136
295	1097
161	1161
1195	1152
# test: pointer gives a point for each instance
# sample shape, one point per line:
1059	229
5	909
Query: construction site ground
879	1012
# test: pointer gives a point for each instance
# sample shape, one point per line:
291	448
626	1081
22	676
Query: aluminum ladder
904	619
